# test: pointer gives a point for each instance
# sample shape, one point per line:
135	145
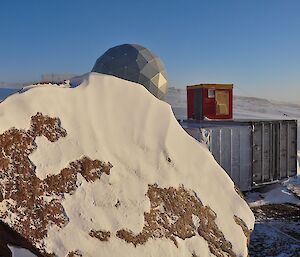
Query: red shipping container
211	101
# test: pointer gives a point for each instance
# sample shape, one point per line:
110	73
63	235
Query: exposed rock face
178	213
76	253
247	232
100	234
23	195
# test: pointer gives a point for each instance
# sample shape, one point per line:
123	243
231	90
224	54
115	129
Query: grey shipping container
253	153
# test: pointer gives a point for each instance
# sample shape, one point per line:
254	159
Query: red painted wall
208	104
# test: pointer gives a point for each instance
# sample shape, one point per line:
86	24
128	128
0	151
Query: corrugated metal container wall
274	151
253	153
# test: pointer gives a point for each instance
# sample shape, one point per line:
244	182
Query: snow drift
104	169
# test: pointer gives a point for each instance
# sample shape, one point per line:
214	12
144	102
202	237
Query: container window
222	101
211	93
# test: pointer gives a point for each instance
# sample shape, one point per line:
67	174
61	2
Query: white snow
272	194
113	120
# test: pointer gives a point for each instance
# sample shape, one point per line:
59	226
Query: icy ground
276	231
276	207
277	212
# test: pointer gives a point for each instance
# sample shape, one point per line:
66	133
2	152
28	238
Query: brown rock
100	234
76	253
26	191
178	213
247	232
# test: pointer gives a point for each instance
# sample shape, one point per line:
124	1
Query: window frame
211	93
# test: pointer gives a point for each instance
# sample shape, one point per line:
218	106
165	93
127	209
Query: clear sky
254	44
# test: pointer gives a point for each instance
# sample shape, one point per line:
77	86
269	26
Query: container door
287	149
263	154
222	102
198	113
274	151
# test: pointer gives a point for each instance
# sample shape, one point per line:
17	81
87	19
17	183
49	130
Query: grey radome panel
137	64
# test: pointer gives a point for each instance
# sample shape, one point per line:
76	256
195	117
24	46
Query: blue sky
254	44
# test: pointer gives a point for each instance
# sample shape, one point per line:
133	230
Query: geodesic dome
137	64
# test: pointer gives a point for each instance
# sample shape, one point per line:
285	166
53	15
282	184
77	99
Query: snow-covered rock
104	169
